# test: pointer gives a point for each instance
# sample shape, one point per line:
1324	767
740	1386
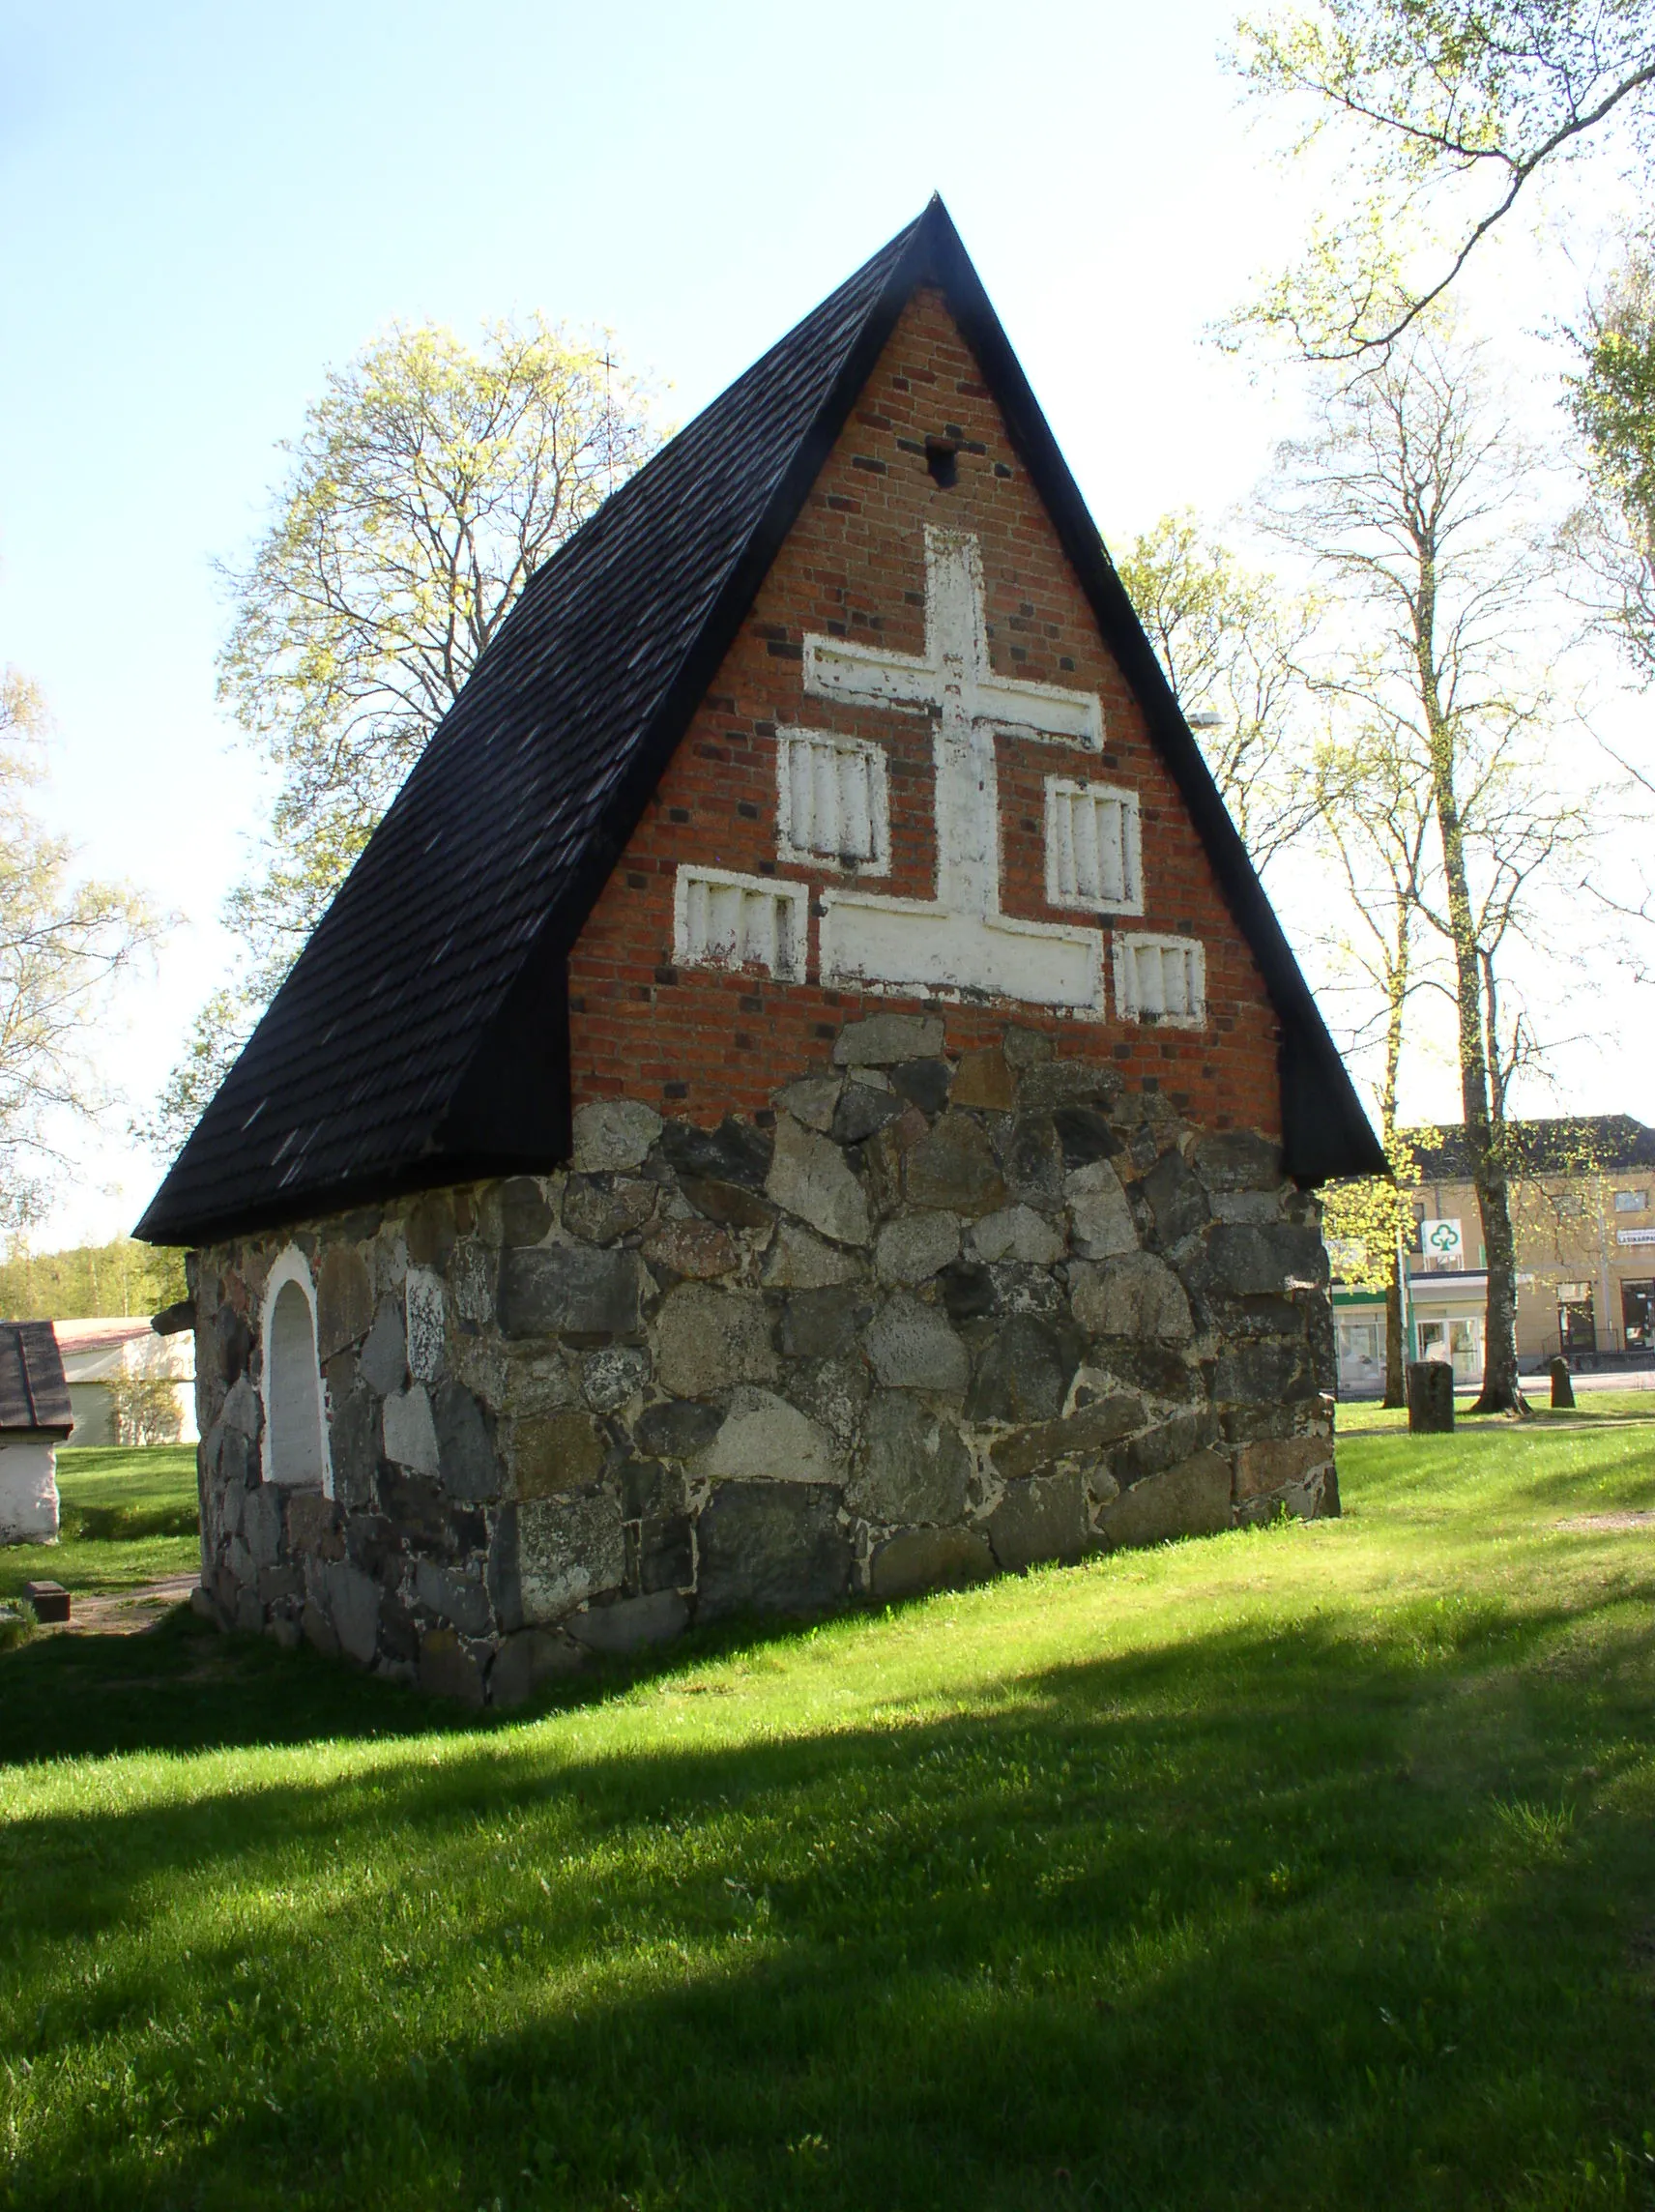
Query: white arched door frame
307	1394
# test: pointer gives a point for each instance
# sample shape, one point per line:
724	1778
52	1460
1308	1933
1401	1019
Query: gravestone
1563	1390
1430	1398
49	1600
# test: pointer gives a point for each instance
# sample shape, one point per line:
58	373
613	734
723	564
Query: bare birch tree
65	943
1408	496
1230	641
1375	824
1444	117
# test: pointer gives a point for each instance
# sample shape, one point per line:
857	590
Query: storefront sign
1635	1235
1441	1242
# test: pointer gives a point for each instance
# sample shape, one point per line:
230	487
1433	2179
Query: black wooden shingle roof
422	1036
33	1393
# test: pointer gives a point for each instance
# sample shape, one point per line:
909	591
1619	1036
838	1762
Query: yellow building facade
1581	1206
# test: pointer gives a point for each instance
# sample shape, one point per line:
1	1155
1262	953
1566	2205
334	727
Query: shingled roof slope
422	1036
33	1392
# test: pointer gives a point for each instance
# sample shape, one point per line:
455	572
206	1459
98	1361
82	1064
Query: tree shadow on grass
182	1686
1257	1917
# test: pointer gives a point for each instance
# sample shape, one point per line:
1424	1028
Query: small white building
34	1419
128	1385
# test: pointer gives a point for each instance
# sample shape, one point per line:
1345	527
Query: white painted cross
960	940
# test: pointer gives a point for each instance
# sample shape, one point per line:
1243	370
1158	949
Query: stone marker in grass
1431	1398
49	1600
1563	1390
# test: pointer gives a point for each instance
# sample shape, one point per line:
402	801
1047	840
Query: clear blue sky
204	207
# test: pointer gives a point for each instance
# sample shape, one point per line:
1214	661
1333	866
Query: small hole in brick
944	462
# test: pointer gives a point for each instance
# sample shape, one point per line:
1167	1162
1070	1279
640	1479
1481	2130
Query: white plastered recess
28	1491
1160	979
725	921
295	1405
1093	847
960	941
832	801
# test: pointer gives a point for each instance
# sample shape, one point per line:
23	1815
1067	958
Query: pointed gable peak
420	1036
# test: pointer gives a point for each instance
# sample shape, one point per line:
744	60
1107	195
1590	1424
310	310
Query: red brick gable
703	1042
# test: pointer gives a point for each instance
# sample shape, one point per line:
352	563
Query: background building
128	1385
1580	1198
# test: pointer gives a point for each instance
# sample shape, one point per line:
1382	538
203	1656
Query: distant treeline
125	1277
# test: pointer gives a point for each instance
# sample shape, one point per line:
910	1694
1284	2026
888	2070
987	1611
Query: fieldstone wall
942	1317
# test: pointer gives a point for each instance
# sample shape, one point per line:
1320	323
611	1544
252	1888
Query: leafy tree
1611	396
428	484
1408	496
65	943
1446	114
123	1277
145	1408
1231	641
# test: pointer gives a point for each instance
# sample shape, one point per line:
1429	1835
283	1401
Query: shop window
1576	1321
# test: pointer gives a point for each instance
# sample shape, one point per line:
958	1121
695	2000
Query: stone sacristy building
802	1097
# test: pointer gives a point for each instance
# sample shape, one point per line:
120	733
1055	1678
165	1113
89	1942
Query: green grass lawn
1304	1867
125	1518
1361	1417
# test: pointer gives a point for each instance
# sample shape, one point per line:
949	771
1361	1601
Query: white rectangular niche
1160	979
1093	847
831	801
725	921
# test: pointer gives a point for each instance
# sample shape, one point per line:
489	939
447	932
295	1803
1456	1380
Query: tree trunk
1397	986
1396	1353
1499	1393
1502	1279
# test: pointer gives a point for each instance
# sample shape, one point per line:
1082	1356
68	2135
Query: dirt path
1608	1524
126	1613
